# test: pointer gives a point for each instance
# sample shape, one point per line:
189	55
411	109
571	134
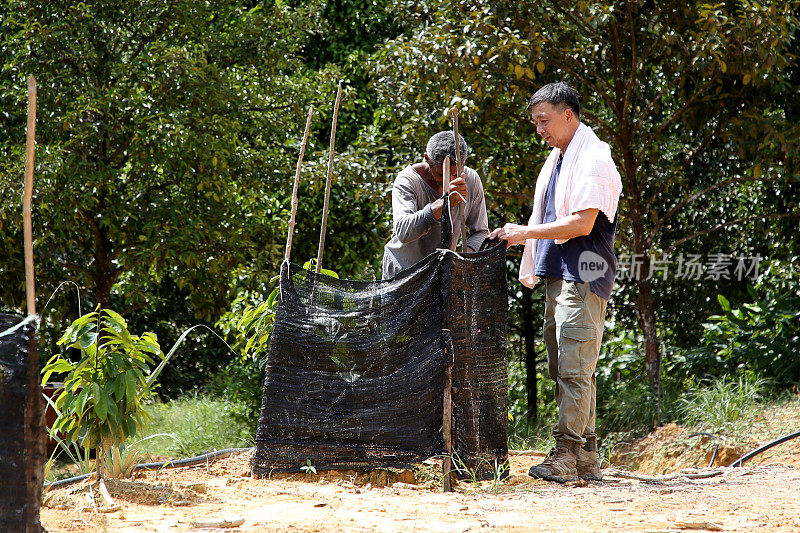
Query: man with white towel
569	244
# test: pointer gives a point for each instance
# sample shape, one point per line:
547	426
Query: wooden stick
447	433
446	190
296	183
30	287
454	111
34	416
459	169
328	181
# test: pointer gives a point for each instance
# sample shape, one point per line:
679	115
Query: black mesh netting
21	426
356	369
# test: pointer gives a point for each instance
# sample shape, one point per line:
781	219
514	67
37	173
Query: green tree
684	93
162	136
760	337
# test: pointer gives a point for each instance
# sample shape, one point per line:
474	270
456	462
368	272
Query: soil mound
672	448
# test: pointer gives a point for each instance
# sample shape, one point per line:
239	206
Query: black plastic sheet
21	426
356	369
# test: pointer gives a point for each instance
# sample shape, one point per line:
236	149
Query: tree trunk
646	309
103	273
644	301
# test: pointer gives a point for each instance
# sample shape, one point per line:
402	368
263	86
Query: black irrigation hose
191	461
716	446
764	448
172	463
65	482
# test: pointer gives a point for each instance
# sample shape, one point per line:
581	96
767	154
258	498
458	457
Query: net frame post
292	219
446	204
461	215
447	429
323	228
30	148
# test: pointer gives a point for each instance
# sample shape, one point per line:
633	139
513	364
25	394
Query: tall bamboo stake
446	189
30	288
459	169
296	183
33	440
328	181
454	111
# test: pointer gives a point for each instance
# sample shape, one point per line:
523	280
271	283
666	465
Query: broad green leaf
100	402
130	387
80	403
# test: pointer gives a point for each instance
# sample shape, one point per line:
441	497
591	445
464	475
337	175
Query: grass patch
192	425
522	435
723	406
778	418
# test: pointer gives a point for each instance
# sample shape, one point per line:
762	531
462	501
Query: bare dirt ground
761	496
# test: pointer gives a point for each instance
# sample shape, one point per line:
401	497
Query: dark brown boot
586	463
560	463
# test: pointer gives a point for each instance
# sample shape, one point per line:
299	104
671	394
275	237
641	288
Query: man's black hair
560	93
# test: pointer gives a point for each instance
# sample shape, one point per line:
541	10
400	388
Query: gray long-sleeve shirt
415	233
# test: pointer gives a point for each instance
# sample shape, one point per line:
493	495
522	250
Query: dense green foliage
689	95
168	134
759	337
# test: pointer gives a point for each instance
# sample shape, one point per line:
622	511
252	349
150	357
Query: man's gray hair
441	145
560	93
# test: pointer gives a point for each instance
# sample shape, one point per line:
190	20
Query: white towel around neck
588	179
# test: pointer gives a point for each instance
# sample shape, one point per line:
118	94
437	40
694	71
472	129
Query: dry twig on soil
687	474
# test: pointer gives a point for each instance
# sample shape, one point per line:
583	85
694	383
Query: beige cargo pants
574	318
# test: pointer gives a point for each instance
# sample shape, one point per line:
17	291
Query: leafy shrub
625	400
101	403
249	328
762	337
524	433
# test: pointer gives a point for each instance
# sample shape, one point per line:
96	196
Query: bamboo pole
459	170
30	288
328	180
446	175
33	444
446	190
296	184
454	111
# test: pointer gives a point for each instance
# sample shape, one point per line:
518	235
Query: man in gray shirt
417	206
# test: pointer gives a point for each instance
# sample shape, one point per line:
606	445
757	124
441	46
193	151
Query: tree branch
617	59
564	58
695	196
624	241
591	117
677	114
629	86
567	12
133	308
667	86
727	224
700	149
